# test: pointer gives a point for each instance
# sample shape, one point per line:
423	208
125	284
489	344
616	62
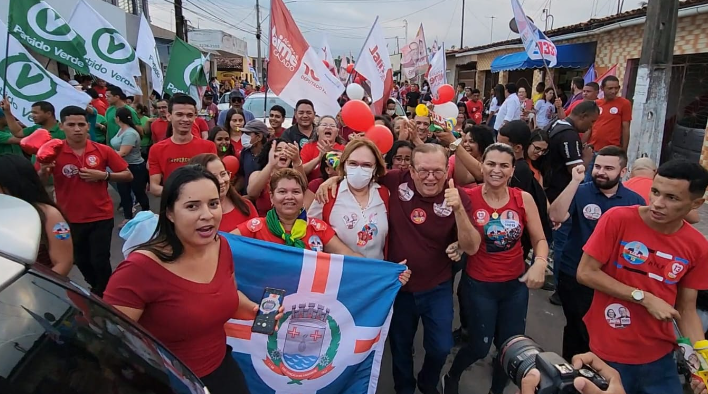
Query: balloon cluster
40	143
444	113
357	115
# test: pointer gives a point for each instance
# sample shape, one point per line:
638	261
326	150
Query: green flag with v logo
185	69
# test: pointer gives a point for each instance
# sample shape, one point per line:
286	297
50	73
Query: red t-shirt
101	94
278	133
166	156
100	106
475	109
640	185
79	200
420	229
158	130
640	257
310	152
607	130
317	235
201	124
188	317
315	184
500	257
230	220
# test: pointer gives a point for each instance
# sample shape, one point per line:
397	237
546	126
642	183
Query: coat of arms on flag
337	312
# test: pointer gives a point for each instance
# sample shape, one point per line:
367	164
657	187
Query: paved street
544	324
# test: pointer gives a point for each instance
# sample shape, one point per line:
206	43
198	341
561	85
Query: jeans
575	300
658	377
497	312
92	252
137	187
434	307
560	237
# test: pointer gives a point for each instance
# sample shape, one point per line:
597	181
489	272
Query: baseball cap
235	94
255	126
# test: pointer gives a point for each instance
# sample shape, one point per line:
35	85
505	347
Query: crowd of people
530	186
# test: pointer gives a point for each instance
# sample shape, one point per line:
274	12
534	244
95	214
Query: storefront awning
569	56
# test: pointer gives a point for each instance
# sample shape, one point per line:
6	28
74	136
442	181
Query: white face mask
390	112
359	177
245	140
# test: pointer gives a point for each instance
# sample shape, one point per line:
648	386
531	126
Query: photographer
533	378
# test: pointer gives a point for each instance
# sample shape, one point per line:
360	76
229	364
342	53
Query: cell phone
272	299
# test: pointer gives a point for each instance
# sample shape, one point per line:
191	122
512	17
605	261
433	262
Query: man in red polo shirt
159	127
612	127
81	184
475	106
175	151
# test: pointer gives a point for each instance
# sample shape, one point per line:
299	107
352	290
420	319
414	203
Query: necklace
495	214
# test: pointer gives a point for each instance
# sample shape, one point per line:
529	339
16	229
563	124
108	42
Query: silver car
254	103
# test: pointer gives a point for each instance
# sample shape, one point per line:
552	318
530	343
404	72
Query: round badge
635	253
481	217
69	170
315	243
254	225
418	216
614	110
92	160
61	231
592	212
510	216
674	270
617	316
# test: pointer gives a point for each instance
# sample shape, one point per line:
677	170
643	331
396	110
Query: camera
519	354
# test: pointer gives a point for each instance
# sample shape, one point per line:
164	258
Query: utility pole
405	23
462	26
179	20
259	60
491	29
653	81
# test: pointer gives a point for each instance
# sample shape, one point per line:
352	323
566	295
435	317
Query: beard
605	184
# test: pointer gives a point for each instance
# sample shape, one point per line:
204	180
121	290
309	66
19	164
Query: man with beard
584	204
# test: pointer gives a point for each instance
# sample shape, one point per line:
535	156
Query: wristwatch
637	295
455	144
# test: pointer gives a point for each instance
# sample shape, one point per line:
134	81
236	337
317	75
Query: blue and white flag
536	44
337	313
590	75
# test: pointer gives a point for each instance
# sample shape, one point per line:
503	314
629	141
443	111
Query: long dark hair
165	244
262	158
239	202
125	116
394	149
19	179
212	137
229	115
499	94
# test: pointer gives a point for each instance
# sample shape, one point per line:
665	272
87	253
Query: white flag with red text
295	70
375	65
536	44
437	73
414	59
327	57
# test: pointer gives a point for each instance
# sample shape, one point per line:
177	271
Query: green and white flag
27	82
185	69
109	55
38	26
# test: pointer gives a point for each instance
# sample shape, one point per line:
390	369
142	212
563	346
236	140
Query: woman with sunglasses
324	139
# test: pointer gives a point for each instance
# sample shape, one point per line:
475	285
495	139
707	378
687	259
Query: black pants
227	378
457	267
92	252
137	187
576	300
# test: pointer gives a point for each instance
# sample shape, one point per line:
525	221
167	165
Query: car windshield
255	105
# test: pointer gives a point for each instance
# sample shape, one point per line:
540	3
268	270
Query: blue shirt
247	115
588	205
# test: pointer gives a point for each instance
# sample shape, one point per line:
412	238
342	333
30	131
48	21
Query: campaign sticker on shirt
350	220
442	210
674	270
315	243
617	316
255	225
635	253
592	212
70	170
92	160
614	110
318	225
418	216
367	233
404	192
510	215
481	217
303	142
61	231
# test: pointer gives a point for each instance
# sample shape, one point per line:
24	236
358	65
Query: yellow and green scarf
296	234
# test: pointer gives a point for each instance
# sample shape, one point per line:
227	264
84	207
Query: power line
415	12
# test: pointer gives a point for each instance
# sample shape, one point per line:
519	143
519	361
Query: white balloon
447	110
355	91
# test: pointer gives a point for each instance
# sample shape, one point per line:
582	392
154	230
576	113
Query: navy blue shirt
588	205
249	164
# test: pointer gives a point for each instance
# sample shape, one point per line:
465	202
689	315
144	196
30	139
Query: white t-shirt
509	110
362	230
493	105
545	111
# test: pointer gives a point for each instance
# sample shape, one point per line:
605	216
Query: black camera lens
518	356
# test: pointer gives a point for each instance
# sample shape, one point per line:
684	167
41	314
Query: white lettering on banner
310	81
173	89
284	51
379	62
41	45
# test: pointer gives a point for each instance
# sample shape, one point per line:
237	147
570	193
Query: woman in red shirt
496	289
323	140
180	285
235	119
235	208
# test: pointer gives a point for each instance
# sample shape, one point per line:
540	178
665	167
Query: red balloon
357	115
357	80
49	151
326	63
381	136
445	94
231	164
350	68
34	141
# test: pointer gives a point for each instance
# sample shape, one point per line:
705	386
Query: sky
345	23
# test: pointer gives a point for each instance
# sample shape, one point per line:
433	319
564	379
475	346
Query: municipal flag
295	70
337	314
433	50
108	54
185	69
327	56
146	50
437	74
414	60
27	82
374	64
38	26
536	44
612	71
590	75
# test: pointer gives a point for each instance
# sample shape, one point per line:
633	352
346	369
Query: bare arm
625	135
246	308
536	275
559	209
336	246
309	198
472	166
257	182
689	324
310	165
132	313
61	250
124	150
14	125
155	186
123	176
